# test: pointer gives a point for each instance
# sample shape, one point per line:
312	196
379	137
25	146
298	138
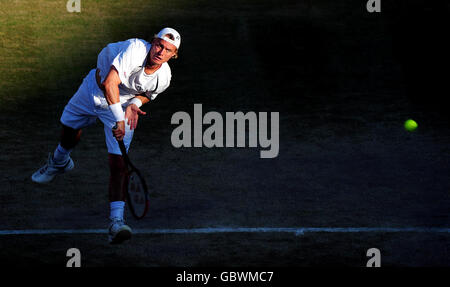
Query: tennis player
129	74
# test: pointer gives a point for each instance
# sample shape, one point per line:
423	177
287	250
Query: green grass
45	51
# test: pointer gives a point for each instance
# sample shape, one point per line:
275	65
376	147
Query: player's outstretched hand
132	115
119	130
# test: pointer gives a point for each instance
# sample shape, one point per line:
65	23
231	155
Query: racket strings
137	195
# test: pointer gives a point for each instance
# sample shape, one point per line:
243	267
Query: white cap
176	36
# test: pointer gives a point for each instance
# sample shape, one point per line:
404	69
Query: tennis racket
137	191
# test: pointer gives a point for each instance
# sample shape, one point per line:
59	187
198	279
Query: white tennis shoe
48	172
118	231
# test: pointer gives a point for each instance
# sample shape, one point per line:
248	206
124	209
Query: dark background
343	81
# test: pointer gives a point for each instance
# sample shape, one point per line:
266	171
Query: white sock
117	208
61	155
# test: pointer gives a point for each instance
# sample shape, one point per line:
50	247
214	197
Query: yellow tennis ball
410	125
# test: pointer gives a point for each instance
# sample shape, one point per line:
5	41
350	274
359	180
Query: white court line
293	230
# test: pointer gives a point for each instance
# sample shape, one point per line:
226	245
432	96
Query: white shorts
81	112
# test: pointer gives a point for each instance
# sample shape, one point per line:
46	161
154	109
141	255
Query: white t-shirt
128	57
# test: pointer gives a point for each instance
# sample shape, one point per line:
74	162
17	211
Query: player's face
161	51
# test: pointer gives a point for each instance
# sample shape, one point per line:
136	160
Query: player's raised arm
111	85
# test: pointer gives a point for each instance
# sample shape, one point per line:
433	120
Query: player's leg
69	139
118	230
77	114
117	166
117	180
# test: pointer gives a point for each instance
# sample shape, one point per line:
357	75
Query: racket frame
130	169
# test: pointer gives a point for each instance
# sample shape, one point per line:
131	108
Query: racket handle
122	147
121	144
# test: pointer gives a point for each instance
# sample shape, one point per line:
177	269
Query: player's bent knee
69	137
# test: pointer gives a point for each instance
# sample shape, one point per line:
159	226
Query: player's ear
175	56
